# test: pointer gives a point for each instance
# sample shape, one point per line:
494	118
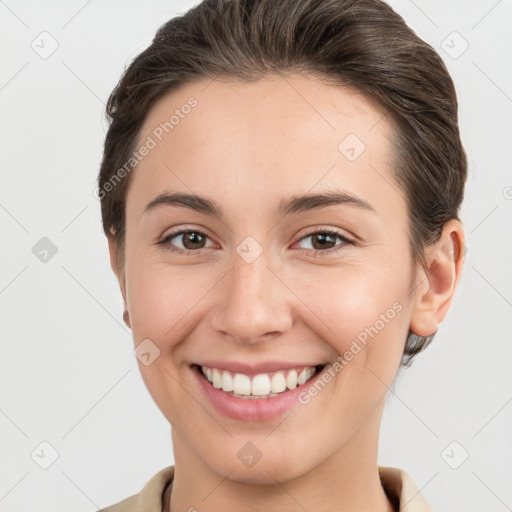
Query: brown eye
324	242
191	240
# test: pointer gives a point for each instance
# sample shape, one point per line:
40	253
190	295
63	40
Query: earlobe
126	317
440	279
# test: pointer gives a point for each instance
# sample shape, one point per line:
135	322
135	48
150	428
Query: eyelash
187	252
317	252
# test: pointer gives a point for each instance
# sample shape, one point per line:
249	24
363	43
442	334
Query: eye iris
195	237
323	237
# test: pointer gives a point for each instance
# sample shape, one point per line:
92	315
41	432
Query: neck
346	480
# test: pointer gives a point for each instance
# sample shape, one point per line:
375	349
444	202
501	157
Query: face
251	283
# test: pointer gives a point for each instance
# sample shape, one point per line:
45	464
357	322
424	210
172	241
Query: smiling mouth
262	385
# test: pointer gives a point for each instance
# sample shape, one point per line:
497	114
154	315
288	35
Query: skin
248	146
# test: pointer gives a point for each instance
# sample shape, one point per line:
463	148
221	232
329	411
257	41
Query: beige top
399	487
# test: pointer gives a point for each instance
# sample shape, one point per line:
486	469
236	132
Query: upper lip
255	368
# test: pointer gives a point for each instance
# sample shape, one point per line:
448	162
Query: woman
280	190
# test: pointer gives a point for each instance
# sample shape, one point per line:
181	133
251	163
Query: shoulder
149	499
402	490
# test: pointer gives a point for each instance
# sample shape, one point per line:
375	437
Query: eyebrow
293	205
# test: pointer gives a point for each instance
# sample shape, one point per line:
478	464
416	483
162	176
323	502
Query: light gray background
68	374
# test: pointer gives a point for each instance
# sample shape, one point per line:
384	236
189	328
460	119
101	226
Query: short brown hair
360	43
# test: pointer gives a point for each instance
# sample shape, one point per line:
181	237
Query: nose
256	302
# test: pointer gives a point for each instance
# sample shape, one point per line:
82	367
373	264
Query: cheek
161	300
362	313
163	303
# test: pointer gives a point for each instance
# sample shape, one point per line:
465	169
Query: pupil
193	236
322	237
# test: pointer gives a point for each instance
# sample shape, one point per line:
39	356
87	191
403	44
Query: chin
258	463
262	473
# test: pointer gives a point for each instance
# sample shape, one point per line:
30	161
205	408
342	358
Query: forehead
274	135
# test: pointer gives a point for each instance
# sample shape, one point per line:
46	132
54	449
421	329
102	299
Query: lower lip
247	409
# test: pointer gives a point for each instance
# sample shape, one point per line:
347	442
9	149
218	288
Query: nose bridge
255	301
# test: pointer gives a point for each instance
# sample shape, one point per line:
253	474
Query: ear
438	282
119	272
112	249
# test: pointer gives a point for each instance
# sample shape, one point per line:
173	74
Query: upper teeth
263	384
